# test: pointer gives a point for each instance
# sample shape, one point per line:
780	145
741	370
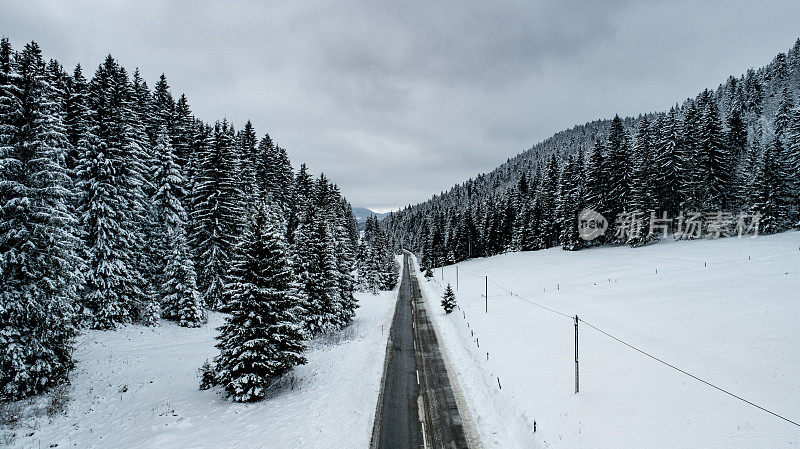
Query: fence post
576	356
486	293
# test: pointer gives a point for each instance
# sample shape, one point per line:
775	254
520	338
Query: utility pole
486	293
576	355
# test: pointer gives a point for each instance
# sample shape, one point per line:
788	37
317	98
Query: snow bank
138	387
725	310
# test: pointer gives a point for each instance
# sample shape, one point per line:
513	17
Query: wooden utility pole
486	293
576	355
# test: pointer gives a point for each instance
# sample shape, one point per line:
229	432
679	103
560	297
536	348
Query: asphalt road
417	408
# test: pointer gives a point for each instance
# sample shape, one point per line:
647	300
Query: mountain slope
362	213
710	150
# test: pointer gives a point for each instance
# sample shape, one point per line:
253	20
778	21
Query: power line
543	307
687	373
647	354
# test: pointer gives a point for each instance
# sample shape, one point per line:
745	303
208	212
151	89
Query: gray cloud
399	100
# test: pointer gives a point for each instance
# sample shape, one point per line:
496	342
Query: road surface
417	408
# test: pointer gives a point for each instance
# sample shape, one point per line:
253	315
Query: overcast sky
398	100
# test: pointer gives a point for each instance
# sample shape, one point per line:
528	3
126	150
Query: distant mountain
362	213
724	150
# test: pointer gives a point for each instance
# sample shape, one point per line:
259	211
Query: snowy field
138	387
725	310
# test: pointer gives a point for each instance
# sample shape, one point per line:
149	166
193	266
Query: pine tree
184	134
618	167
642	180
736	141
76	118
180	300
140	157
769	190
151	312
783	116
261	339
712	160
317	274
369	270
163	111
448	299
113	206
39	265
549	227
793	165
571	203
275	174
218	210
597	183
246	142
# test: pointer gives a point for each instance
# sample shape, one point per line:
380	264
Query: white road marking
421	413
417	377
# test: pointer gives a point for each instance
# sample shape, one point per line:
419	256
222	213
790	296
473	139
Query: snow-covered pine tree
597	186
166	201
246	142
549	226
76	118
345	257
262	338
571	204
618	167
275	174
163	111
448	299
218	211
369	270
140	159
793	164
40	270
769	193
110	183
317	273
303	195
180	300
713	160
184	129
783	116
667	165
642	188
151	312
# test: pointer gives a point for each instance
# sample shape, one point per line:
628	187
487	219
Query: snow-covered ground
725	310
138	388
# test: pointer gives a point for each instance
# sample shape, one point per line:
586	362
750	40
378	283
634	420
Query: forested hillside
729	153
118	205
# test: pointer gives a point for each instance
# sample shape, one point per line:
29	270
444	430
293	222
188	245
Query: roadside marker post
486	293
576	355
